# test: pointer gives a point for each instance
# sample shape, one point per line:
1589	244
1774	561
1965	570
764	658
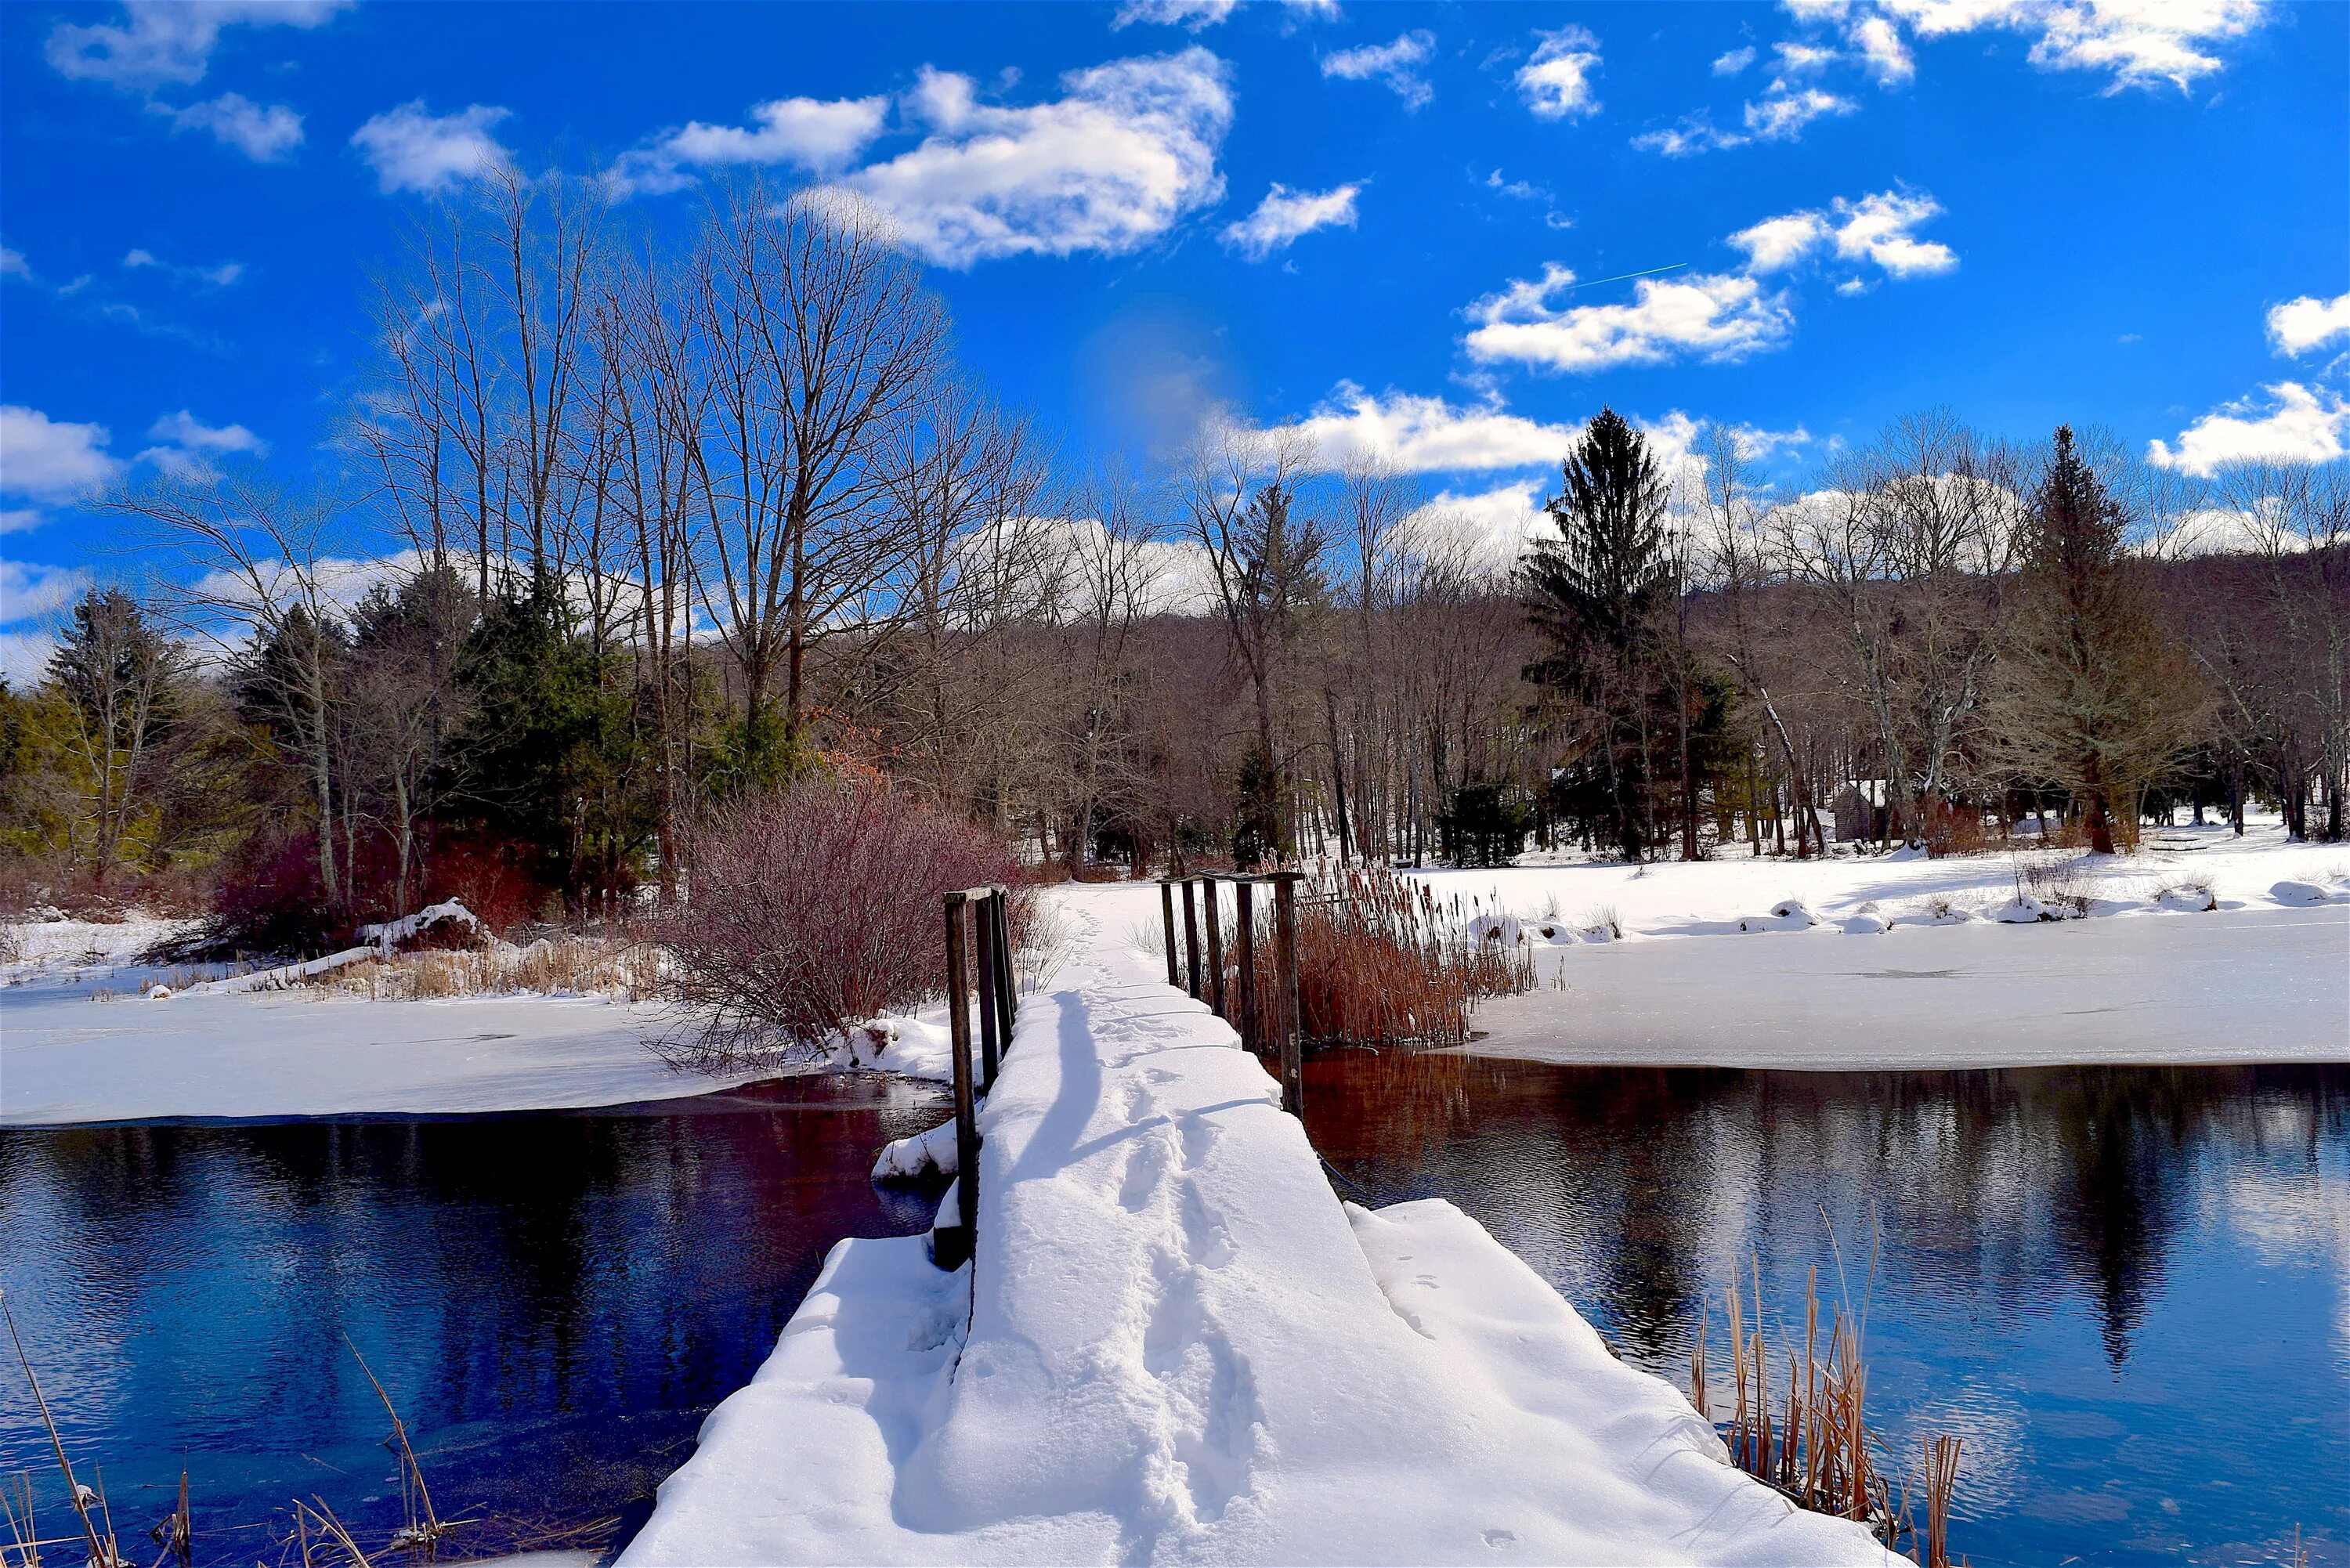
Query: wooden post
1191	939
983	944
1008	988
1166	912
1244	921
951	1247
1215	945
1285	914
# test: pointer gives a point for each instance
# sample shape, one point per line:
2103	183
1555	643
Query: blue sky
1406	224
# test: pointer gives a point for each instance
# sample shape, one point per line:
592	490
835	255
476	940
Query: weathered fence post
952	1245
983	944
1215	945
1007	988
1244	923
1166	912
1191	939
1285	914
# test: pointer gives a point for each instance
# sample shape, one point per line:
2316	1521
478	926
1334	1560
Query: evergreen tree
1593	594
2092	698
120	679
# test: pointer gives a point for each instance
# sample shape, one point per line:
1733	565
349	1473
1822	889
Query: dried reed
1381	961
105	1552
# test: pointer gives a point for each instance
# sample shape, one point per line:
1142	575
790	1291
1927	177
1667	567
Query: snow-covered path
1178	1345
2248	985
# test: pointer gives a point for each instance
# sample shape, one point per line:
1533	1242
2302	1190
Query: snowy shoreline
1176	1342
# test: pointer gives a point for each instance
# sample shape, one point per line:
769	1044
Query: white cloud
265	133
1191	14
816	134
1285	214
1714	317
14	265
1882	51
1732	62
2301	423
1523	189
1427	435
139	259
2299	325
1781	116
188	443
30	590
1128	149
412	149
1799	59
2140	43
1557	81
1396	64
18	519
161	42
51	459
1873	228
1492	528
1694	134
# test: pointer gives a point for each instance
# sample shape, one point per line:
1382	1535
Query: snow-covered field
1901	962
1176	1344
79	1041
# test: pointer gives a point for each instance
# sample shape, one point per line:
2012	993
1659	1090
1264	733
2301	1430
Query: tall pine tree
1595	594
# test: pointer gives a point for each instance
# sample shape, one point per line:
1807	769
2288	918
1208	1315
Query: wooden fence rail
987	936
1265	1024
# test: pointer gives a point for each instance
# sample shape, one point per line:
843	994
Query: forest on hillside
619	537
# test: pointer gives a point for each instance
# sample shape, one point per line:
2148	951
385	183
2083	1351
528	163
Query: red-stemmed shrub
814	907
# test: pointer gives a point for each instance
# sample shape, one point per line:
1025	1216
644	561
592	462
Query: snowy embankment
2201	947
81	1041
1176	1343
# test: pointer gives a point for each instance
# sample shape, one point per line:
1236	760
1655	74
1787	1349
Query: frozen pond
2127	1289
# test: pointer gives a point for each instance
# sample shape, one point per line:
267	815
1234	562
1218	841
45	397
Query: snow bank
920	1154
2298	894
1174	1342
408	928
1786	915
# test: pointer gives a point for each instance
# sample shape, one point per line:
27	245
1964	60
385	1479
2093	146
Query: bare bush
813	909
2061	882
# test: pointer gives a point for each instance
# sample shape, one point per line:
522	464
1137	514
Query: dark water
2128	1290
554	1301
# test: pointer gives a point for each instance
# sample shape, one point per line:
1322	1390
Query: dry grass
573	966
1381	961
1812	1442
2062	882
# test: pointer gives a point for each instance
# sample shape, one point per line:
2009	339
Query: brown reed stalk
1941	1481
415	1533
1697	1360
176	1533
103	1553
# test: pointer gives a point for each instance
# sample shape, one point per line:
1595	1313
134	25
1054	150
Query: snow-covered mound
1786	915
2298	893
1175	1344
1865	922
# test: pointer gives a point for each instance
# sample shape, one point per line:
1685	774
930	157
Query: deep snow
80	1041
1178	1345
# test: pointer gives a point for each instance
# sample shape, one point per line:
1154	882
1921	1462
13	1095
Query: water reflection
553	1299
2128	1287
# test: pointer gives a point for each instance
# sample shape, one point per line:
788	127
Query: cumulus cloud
1285	214
1427	435
1883	53
30	590
1491	527
187	445
1127	150
412	149
1396	64
1714	317
2296	423
1781	116
814	134
2299	325
160	43
1734	61
265	133
1873	228
51	459
1191	14
2139	43
1556	80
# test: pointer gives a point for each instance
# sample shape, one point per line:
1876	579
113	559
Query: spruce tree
1593	594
